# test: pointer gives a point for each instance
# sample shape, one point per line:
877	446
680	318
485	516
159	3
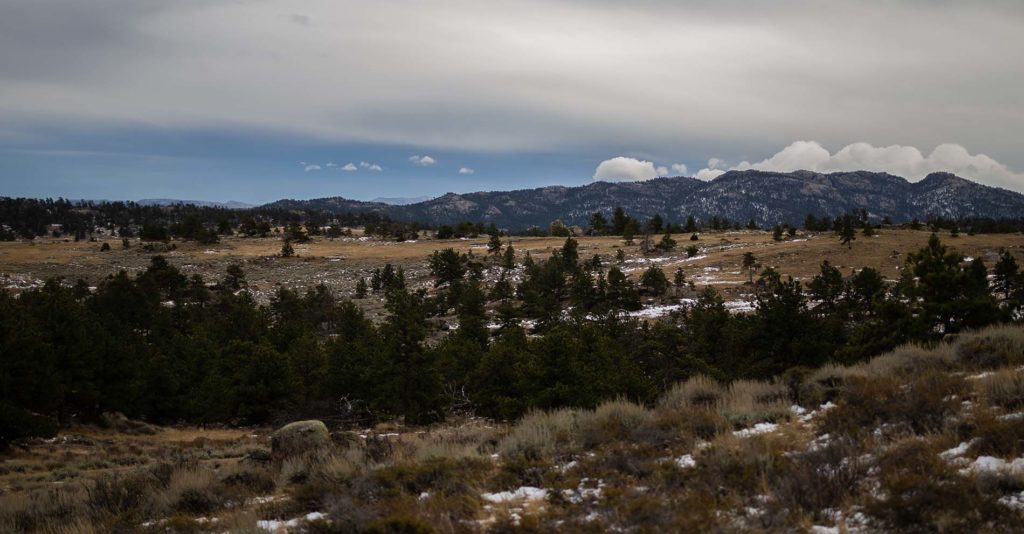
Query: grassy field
338	263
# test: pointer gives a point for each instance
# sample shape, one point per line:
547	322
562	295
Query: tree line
168	348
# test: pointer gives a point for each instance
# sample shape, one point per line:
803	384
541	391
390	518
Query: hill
766	197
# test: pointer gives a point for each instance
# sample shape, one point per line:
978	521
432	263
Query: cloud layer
531	75
905	161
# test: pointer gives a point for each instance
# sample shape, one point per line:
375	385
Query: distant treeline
167	348
28	218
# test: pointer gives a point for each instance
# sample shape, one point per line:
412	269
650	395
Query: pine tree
509	260
750	264
679	279
847	233
666	244
287	250
494	245
654	281
361	288
1006	275
777	233
691	224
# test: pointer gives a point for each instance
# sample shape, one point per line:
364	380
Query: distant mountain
766	197
231	204
401	201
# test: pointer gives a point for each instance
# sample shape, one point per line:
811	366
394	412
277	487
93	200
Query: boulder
298	438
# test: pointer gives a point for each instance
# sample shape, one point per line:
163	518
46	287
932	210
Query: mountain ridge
766	197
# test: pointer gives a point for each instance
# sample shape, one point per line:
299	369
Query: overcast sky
262	99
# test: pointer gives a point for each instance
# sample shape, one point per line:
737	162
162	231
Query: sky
256	100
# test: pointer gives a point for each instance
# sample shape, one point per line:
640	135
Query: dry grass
991	347
539	434
1004	388
339	262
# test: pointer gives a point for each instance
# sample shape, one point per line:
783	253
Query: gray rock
298	438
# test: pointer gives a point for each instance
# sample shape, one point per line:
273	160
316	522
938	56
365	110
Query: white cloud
623	169
349	168
679	169
311	168
372	167
331	165
466	170
661	170
709	174
423	161
905	161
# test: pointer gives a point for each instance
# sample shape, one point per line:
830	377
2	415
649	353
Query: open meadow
339	263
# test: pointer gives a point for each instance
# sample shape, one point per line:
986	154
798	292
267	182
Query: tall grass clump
540	434
1003	388
992	347
613	420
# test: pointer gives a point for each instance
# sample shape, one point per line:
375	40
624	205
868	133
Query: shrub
992	347
992	435
918	491
748	401
908	361
920	404
1003	388
540	434
613	420
17	423
700	391
190	491
833	470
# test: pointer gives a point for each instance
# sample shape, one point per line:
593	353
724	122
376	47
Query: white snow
273	525
991	464
1015	500
526	493
686	461
759	428
957	451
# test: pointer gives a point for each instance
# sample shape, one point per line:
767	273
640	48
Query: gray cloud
675	78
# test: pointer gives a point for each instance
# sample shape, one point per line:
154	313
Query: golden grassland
922	438
340	262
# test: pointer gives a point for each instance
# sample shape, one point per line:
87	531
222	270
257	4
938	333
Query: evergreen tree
415	387
494	245
653	281
950	297
598	224
847	233
619	221
1006	275
750	264
509	260
361	288
667	244
287	250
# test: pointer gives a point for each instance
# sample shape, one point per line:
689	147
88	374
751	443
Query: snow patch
525	493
